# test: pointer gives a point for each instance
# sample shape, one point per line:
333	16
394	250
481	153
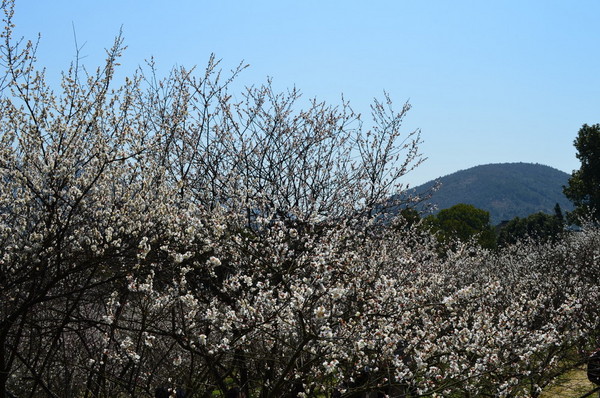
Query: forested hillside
506	190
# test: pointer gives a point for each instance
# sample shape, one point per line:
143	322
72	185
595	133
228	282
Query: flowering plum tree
161	234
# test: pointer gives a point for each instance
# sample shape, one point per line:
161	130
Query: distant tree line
467	223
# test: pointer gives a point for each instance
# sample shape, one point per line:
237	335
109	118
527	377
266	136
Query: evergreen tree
584	185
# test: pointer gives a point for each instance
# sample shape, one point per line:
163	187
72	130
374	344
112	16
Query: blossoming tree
161	234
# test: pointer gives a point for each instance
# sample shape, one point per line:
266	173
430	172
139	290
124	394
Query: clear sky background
489	81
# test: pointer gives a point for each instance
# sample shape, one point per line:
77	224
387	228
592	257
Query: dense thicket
162	234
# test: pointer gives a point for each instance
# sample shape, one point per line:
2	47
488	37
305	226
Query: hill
506	190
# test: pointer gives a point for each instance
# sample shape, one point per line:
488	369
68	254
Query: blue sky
489	81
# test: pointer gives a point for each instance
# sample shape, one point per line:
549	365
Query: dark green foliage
583	187
559	214
540	227
409	217
506	190
463	222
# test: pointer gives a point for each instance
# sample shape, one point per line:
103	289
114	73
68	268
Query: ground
573	385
